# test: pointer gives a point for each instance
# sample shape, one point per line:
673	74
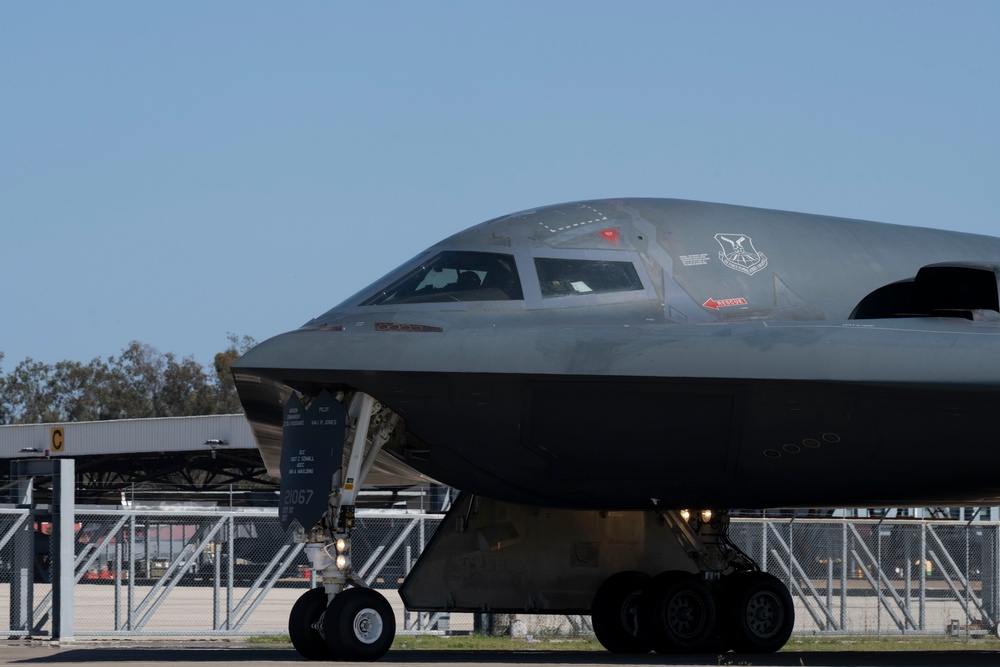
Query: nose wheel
303	624
359	625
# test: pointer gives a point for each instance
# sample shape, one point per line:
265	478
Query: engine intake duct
967	290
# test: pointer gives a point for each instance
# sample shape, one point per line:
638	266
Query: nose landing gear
344	620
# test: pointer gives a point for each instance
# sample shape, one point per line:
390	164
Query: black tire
678	613
359	625
757	611
306	611
614	613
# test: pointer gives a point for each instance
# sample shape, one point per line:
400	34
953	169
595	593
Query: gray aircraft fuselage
602	354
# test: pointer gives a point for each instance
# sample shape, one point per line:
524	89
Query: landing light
341	561
341	545
686	515
706	516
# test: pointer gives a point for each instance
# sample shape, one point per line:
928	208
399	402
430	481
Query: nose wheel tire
758	612
614	613
359	625
678	613
306	611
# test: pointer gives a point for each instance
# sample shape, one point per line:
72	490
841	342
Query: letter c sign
57	439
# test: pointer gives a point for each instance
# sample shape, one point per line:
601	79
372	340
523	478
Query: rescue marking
724	303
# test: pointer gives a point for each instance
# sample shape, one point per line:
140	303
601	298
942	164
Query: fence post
63	541
22	599
923	574
230	573
763	543
118	580
843	574
991	569
217	572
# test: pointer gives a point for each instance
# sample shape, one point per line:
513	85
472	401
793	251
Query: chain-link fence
188	573
198	573
882	577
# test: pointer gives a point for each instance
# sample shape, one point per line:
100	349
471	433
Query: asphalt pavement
125	654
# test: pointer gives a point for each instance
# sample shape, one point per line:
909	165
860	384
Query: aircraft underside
619	443
659	578
579	510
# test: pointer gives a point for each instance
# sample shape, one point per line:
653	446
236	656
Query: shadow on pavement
244	655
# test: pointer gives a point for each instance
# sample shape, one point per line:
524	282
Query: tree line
141	382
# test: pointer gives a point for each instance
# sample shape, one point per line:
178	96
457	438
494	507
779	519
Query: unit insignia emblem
739	254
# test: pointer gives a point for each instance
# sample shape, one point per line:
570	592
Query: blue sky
173	172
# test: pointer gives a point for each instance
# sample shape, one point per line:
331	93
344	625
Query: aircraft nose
275	352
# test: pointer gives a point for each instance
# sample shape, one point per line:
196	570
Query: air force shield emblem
739	254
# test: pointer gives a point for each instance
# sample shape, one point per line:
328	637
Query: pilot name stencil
700	259
739	254
312	446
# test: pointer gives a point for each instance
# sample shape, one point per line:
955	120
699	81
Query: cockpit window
455	276
562	277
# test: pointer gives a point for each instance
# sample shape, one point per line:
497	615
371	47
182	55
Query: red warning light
612	235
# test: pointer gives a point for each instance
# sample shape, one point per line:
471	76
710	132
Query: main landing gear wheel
359	625
677	612
614	613
305	638
758	612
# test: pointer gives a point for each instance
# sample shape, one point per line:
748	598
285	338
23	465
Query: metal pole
763	542
230	556
118	581
829	585
878	590
131	565
408	564
843	574
968	575
22	598
908	568
63	540
216	583
791	558
923	575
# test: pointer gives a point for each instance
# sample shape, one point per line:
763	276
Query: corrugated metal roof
129	436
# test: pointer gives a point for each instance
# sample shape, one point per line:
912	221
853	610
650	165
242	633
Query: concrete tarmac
121	654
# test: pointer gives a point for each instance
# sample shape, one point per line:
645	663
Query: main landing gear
344	620
728	604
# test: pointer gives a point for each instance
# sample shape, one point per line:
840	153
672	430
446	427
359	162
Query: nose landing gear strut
344	620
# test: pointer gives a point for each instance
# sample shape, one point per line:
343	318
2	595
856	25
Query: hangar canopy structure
191	458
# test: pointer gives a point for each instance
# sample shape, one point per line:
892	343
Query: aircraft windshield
455	276
562	277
